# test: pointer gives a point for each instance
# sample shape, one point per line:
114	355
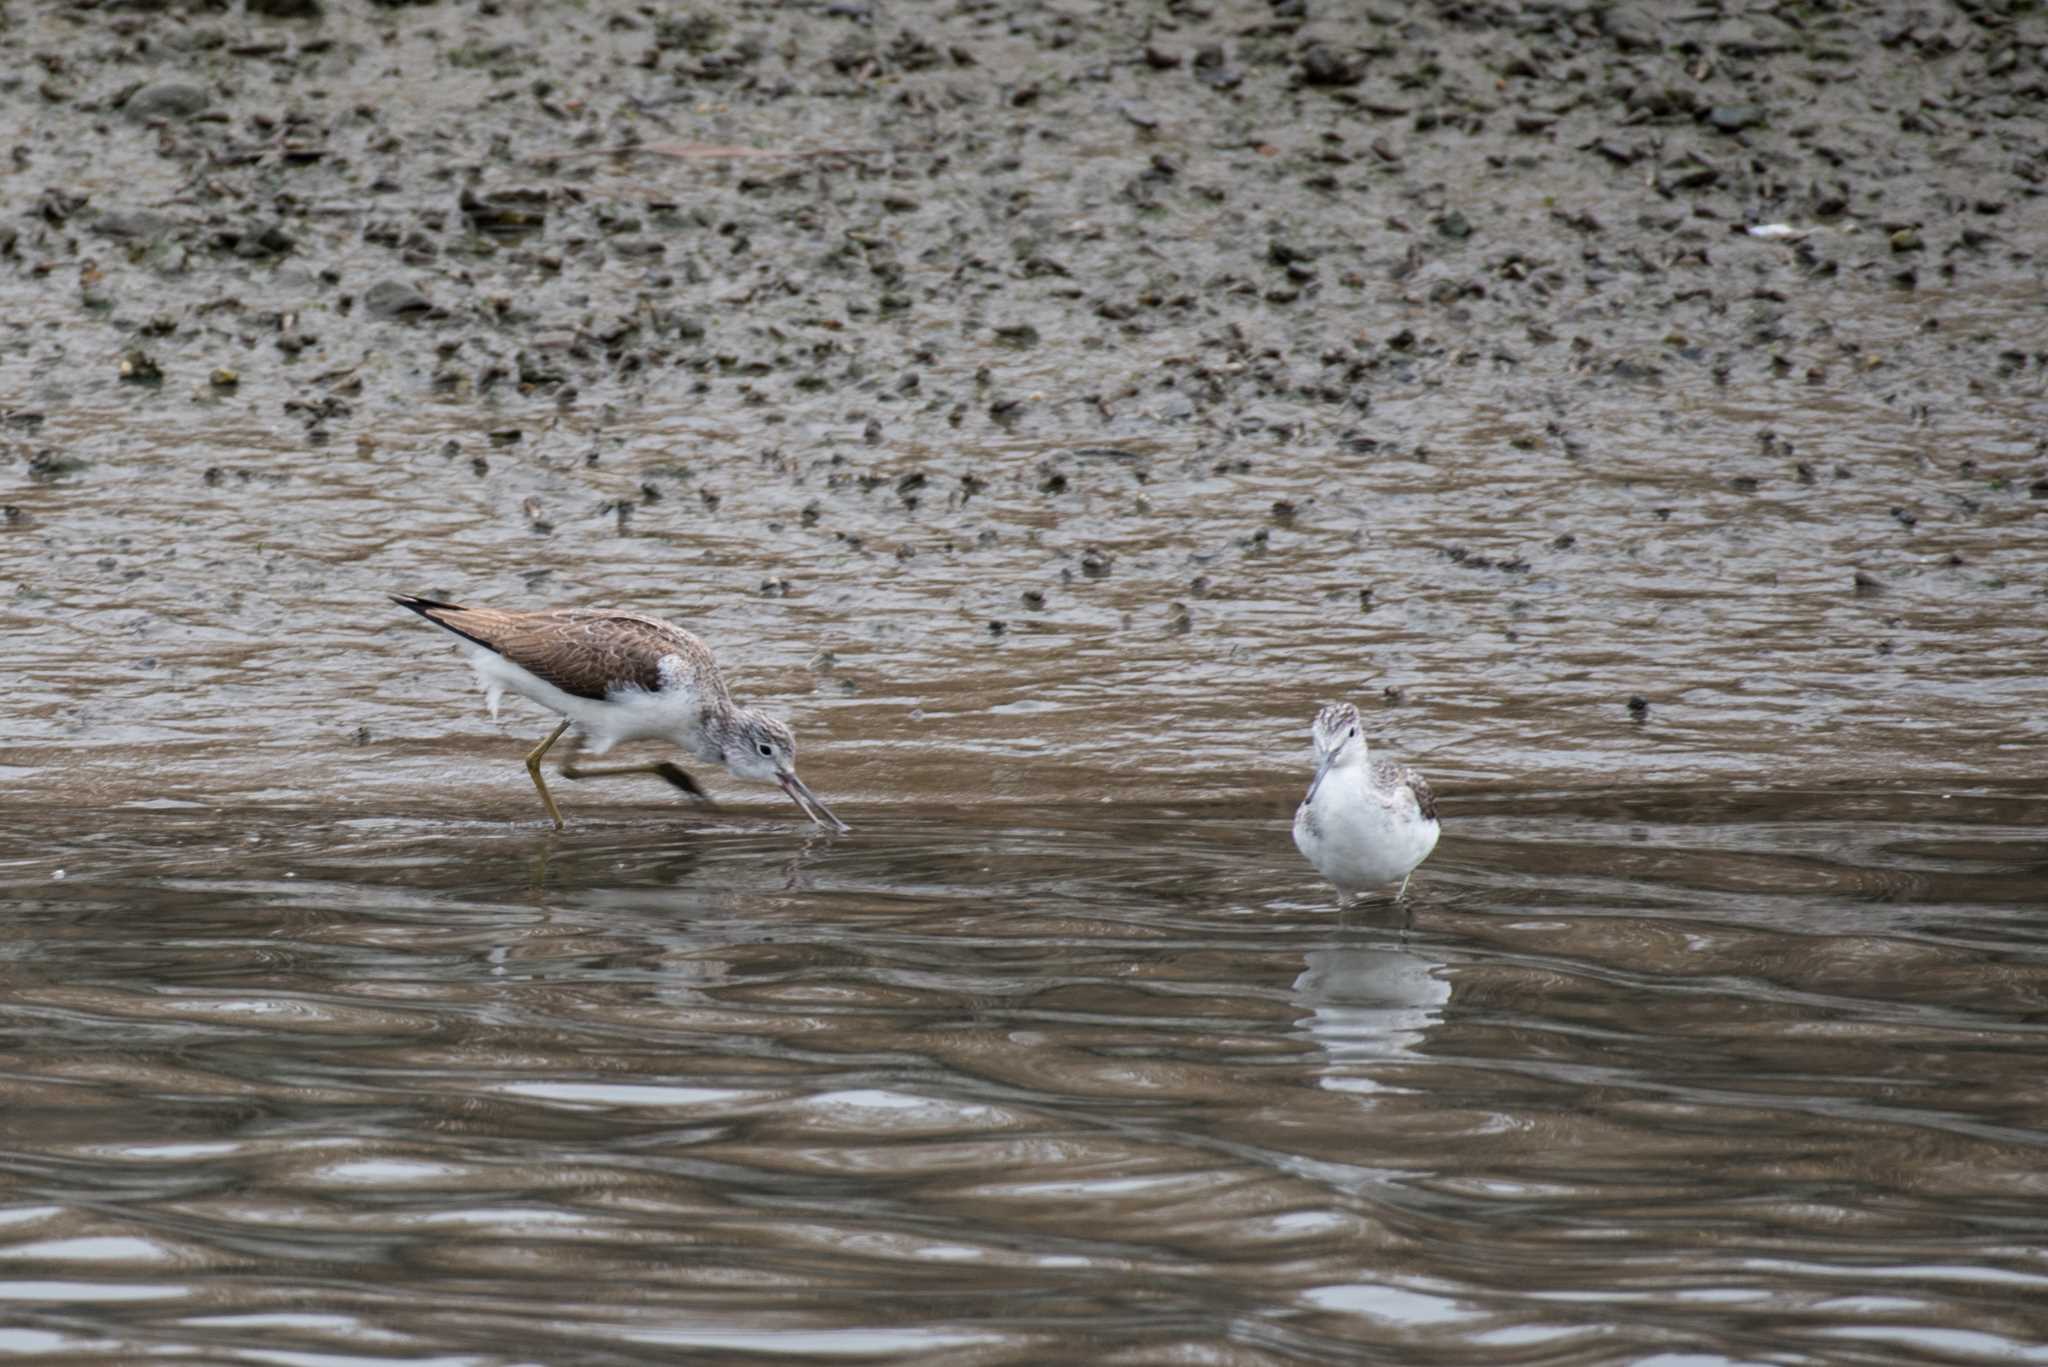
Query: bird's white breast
1359	836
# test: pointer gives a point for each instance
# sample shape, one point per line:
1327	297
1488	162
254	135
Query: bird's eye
1354	730
767	750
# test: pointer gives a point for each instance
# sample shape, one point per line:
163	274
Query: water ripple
1713	1065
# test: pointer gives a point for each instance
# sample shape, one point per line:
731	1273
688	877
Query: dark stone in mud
1662	102
1212	68
137	225
50	464
1733	118
139	367
255	241
167	100
506	213
1321	66
1632	29
395	299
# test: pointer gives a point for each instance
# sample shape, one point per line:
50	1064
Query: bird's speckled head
757	746
1336	724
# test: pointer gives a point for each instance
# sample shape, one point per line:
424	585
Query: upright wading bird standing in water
1365	822
619	676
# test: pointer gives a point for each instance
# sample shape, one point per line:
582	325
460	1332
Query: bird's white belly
628	714
1357	839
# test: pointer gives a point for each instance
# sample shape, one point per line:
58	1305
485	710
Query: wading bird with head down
620	676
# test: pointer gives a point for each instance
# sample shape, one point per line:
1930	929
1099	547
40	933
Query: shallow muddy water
1751	1077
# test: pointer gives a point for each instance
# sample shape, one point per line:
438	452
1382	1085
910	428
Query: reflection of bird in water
1365	822
621	676
1369	1003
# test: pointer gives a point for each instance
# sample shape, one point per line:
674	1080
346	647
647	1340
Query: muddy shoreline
1031	401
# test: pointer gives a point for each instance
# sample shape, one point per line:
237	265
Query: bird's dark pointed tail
432	609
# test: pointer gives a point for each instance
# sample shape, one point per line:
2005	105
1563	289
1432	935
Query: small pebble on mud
139	367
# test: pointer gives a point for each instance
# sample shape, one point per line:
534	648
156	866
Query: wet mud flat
1049	400
1632	1073
1045	409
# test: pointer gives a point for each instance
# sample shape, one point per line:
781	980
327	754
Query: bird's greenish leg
533	759
672	773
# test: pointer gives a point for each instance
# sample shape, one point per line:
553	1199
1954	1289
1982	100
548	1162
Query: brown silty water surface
1044	410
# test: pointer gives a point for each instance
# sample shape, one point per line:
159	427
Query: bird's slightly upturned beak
1317	781
808	800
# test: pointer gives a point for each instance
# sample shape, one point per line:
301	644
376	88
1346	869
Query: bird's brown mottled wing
587	654
1424	797
1388	776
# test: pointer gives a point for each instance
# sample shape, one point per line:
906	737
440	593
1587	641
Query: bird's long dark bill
808	800
1317	781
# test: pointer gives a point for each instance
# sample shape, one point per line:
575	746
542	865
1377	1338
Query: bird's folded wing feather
585	655
1425	799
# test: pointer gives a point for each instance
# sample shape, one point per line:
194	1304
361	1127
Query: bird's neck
1350	767
723	720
